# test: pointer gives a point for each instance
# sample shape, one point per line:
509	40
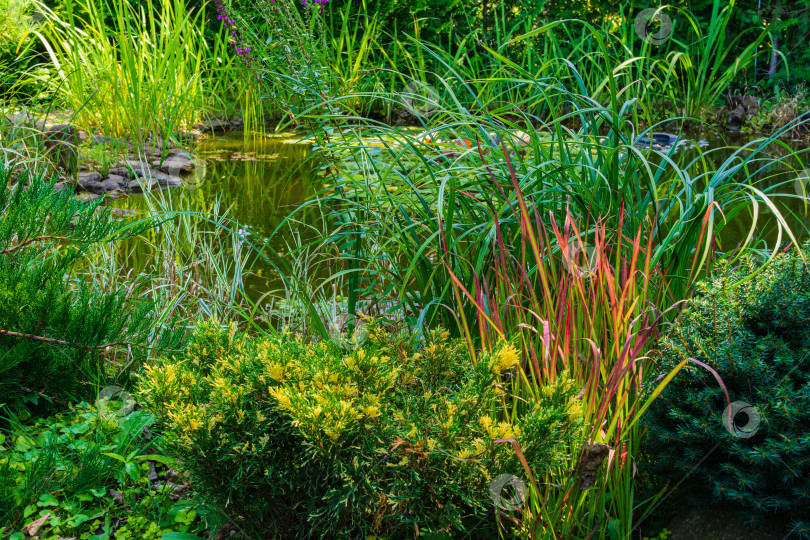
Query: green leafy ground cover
87	475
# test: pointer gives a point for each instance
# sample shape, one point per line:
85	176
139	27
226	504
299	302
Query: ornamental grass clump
303	438
745	441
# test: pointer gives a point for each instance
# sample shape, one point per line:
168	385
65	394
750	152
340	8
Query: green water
786	191
261	181
257	184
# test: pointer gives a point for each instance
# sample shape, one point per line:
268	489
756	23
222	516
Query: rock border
156	166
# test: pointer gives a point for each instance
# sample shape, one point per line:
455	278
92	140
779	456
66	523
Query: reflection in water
260	182
257	184
778	180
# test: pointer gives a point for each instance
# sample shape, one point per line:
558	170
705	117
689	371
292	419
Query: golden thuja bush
289	436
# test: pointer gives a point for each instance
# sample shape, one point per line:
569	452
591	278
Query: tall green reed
141	75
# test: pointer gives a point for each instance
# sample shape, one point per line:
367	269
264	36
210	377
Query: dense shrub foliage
754	330
311	439
54	328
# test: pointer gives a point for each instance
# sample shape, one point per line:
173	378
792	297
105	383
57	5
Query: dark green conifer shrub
753	329
53	325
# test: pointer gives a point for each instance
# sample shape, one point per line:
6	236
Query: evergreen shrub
752	326
55	327
308	439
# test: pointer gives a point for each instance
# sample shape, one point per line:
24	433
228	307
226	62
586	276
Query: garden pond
259	181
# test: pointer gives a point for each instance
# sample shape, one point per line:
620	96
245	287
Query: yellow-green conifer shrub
297	438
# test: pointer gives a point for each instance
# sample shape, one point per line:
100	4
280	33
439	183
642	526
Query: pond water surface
260	181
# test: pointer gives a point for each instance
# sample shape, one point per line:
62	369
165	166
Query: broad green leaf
79	429
46	499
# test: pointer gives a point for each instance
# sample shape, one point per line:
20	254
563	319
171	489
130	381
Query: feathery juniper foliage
54	327
753	329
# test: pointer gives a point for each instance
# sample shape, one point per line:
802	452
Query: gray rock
170	181
133	164
91	176
179	152
213	126
153	149
92	186
740	108
177	165
61	143
121	180
86	197
120	171
111	185
132	169
736	119
141	184
156	175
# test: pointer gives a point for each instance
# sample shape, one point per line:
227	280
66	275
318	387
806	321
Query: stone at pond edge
86	197
140	184
213	126
736	119
90	181
740	109
176	166
92	187
61	143
88	177
119	179
111	185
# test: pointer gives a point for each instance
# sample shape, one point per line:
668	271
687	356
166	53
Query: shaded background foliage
459	24
444	22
